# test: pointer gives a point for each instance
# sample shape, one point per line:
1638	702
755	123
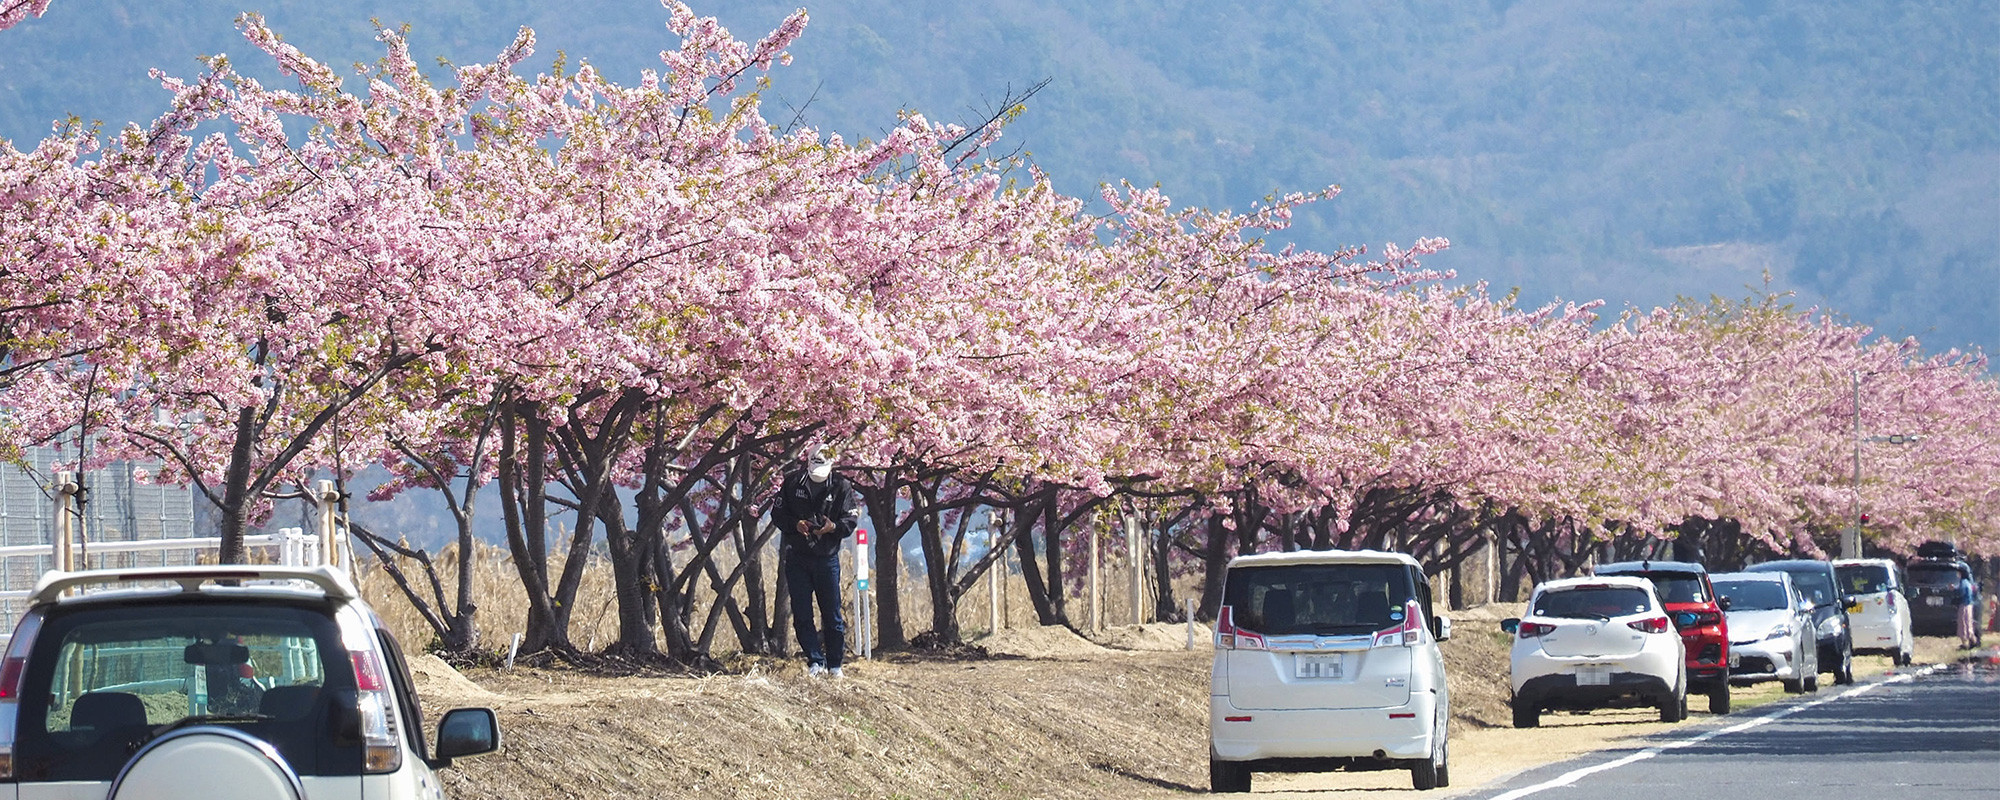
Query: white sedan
1771	630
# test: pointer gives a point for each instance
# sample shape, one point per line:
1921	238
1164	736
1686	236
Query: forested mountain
1581	149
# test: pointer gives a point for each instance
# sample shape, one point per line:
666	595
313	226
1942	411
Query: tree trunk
1215	567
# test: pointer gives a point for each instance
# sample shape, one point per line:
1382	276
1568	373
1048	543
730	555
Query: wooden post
330	550
65	543
1135	545
1096	620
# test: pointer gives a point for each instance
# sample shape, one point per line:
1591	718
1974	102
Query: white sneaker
835	673
816	671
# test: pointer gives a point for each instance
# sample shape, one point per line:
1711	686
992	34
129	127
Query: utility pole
1850	541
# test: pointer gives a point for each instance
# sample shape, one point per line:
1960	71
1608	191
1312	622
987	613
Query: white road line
1572	776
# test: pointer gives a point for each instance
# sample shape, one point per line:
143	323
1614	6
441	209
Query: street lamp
1850	542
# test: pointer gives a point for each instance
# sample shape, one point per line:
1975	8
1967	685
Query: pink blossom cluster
14	12
349	269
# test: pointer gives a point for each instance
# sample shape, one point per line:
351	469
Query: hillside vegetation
1624	151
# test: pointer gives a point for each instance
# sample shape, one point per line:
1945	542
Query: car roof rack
53	585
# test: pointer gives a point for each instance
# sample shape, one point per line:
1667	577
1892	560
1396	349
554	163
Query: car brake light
380	750
10	677
1530	630
1230	637
1892	602
1654	625
12	671
1408	632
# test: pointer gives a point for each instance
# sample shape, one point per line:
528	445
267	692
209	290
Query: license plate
1317	665
1933	601
1593	674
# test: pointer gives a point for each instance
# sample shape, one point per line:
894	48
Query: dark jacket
799	498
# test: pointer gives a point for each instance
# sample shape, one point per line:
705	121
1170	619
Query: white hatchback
1878	613
216	683
1602	642
1328	660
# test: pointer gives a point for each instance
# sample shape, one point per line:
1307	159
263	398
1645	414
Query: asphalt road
1924	735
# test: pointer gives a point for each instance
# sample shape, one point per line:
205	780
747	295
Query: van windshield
113	677
1753	595
1863	578
1812	581
1324	599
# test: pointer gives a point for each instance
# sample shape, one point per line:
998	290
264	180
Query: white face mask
820	466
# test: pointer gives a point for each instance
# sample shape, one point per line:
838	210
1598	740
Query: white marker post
861	593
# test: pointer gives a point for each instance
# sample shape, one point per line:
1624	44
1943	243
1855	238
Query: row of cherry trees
629	308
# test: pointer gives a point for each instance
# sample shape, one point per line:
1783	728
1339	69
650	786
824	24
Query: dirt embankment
1051	714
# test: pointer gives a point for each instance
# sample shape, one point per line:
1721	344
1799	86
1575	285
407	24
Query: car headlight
1829	626
1780	632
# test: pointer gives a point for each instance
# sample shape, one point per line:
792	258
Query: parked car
1882	623
1697	612
1328	660
1598	642
1934	585
217	682
1816	580
1772	626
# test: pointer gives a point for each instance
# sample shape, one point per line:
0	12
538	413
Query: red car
1691	602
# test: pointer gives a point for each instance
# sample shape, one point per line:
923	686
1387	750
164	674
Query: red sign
861	536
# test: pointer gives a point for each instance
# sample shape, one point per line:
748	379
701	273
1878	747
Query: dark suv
1691	602
1934	596
1821	586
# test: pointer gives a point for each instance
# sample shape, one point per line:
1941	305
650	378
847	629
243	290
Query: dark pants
808	576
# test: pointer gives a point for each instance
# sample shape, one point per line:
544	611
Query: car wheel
1228	776
1794	686
1430	773
1812	682
1526	715
1675	708
1718	699
1845	674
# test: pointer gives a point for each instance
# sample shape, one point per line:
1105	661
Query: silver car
1770	630
217	683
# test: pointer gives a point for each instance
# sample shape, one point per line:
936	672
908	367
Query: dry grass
503	603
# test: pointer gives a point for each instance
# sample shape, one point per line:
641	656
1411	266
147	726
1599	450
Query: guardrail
295	549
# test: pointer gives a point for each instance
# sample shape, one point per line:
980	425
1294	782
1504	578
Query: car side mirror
1441	627
1511	624
467	732
1722	602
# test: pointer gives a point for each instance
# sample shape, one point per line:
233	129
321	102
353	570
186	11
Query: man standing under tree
815	511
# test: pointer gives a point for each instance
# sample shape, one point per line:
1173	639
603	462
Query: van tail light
1891	598
380	750
1654	625
13	671
1532	630
1230	637
1408	632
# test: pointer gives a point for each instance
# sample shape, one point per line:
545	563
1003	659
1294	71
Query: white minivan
1878	611
1327	660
